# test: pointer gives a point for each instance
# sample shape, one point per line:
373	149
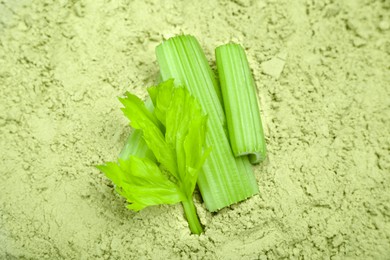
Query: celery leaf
141	182
175	132
141	118
185	126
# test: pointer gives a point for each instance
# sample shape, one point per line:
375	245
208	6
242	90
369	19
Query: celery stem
192	217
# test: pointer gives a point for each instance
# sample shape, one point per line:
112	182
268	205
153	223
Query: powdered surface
323	75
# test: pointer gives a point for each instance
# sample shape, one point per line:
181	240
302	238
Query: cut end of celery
256	158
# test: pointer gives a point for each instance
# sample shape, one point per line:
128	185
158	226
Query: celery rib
224	179
240	102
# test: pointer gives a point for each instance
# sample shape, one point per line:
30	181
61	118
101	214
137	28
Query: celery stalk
224	179
240	102
135	143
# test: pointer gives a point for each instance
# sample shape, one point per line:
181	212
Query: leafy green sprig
175	132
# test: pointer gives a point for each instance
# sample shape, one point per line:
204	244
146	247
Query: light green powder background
322	70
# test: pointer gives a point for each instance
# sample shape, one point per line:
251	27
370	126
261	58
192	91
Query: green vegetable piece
185	129
141	182
224	179
180	152
135	143
241	104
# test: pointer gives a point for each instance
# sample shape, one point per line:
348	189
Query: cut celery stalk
135	143
240	102
224	179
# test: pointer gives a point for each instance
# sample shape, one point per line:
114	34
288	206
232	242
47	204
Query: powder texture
324	190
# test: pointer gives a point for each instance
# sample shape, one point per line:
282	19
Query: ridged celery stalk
224	179
240	102
135	143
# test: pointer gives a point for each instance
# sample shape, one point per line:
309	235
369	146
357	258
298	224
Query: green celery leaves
175	132
185	133
141	182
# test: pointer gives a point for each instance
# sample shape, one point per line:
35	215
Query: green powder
322	72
